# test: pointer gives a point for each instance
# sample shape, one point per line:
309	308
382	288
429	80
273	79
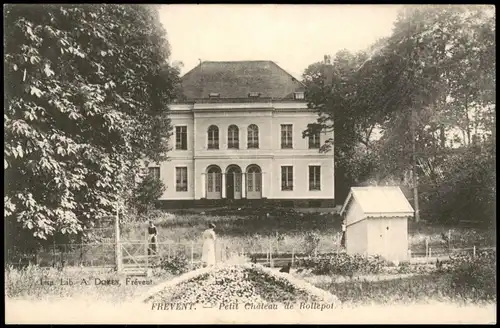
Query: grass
368	289
253	232
27	284
414	289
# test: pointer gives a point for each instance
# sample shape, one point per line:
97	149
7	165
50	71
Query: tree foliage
86	94
435	73
147	191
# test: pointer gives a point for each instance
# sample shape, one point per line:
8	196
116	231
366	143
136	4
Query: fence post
192	253
430	252
293	254
474	251
118	249
81	254
146	241
224	252
54	253
271	264
426	247
221	250
169	250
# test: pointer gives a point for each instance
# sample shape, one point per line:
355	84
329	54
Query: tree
86	98
416	85
147	191
348	93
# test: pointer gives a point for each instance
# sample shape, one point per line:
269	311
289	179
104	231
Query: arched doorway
233	182
254	182
214	182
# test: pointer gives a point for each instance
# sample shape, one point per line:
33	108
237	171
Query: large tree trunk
442	136
414	166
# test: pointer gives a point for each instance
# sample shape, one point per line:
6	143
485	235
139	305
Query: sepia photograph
241	164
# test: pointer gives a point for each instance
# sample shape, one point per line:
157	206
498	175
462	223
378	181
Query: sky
293	36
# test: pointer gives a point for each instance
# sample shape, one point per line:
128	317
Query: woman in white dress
208	255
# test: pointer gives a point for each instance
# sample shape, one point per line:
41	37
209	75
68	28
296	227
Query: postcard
292	164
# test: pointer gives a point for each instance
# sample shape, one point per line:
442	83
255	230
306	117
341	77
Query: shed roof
237	79
378	200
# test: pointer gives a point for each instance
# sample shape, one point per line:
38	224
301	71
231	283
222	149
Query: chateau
238	138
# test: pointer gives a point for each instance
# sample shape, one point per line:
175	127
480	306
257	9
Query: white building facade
248	145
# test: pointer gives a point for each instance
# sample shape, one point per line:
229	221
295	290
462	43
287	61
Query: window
254	179
214	95
314	138
286	136
233	140
213	137
155	172
287	178
214	179
181	179
314	177
299	95
253	136
181	137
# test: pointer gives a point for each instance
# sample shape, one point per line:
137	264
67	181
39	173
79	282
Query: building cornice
235	107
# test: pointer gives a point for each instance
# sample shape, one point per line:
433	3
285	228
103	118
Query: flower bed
240	283
342	264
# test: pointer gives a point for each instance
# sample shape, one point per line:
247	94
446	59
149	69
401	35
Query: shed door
387	235
380	237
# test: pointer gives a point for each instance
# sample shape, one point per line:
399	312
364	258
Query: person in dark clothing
152	234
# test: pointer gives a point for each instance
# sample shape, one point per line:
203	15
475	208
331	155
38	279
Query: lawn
34	283
409	291
398	289
251	231
287	231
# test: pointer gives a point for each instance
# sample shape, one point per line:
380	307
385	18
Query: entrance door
230	186
254	182
233	182
214	182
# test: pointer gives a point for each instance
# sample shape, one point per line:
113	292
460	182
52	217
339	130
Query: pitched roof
379	200
237	79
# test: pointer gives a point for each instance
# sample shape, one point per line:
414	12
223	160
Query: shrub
146	193
175	265
467	190
342	264
241	283
474	277
311	242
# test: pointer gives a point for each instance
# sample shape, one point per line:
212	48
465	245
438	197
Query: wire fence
136	251
102	252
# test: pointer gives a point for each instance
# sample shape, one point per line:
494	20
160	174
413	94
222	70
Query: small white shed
377	222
